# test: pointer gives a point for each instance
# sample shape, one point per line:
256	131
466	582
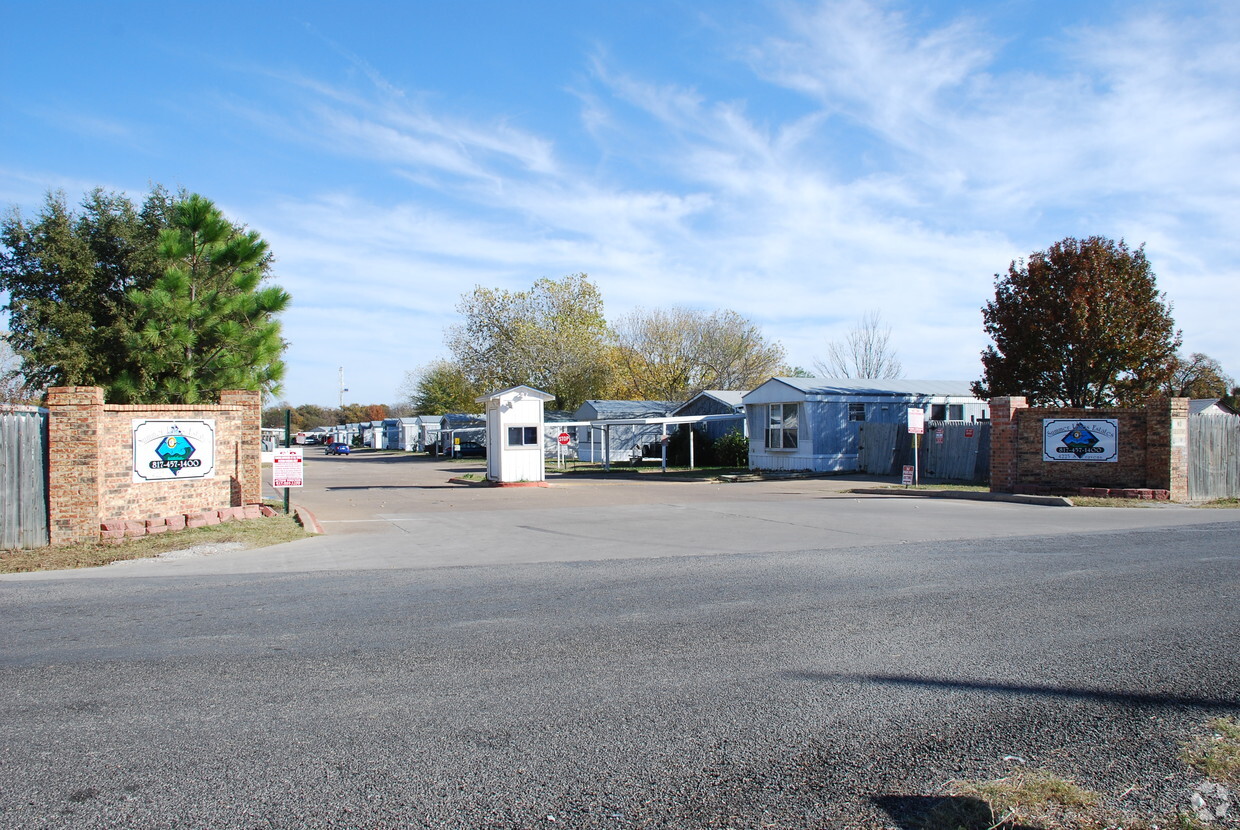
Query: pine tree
207	323
67	274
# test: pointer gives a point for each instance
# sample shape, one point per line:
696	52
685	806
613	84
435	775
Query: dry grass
1094	501
1027	797
1232	503
1216	754
253	533
1039	799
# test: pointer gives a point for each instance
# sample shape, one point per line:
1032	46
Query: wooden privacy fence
950	450
1213	456
23	478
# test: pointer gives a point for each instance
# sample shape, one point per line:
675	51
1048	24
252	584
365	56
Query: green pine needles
166	303
208	322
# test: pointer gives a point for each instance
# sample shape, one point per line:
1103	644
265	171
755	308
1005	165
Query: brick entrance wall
90	462
1153	451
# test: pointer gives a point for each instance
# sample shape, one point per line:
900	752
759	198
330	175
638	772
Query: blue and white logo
172	450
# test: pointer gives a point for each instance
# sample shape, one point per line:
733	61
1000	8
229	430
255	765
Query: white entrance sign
1080	439
287	469
917	421
166	450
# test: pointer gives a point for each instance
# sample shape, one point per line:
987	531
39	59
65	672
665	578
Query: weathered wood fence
1213	456
949	451
23	478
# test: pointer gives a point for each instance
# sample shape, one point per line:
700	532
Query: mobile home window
781	428
938	412
955	412
522	436
856	412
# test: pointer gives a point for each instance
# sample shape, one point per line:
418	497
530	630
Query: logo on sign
174	453
1080	440
170	450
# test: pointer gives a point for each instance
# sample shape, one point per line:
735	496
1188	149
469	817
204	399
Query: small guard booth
515	435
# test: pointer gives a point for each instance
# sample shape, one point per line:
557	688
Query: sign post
561	442
916	426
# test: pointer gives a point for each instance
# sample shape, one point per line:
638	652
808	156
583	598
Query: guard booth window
523	436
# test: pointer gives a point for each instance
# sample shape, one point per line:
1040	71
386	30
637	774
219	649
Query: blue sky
802	163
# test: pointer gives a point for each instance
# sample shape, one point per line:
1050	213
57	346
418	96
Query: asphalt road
708	657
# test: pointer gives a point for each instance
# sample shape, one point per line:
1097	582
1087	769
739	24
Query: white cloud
914	161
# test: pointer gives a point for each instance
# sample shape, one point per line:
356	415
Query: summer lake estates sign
1078	439
173	450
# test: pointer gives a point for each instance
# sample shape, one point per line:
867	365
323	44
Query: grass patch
1233	503
1025	797
253	533
1031	798
1216	754
1094	501
971	488
625	468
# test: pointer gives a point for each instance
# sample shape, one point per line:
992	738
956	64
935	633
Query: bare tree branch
865	353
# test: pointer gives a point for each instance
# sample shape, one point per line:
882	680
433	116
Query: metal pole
691	431
288	422
916	471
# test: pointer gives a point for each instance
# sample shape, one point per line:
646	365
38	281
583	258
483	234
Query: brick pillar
1004	432
245	457
1166	446
73	476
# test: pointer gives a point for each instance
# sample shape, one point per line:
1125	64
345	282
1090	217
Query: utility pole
342	389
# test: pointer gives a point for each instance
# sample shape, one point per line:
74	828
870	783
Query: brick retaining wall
90	464
1152	451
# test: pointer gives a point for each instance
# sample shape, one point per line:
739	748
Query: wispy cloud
922	158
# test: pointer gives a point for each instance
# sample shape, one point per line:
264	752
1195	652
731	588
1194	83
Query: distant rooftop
879	386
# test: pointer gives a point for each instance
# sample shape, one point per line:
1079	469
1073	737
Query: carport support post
691	431
663	450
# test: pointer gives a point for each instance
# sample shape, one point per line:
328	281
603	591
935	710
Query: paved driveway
617	655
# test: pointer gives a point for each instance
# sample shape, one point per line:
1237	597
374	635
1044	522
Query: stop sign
563	439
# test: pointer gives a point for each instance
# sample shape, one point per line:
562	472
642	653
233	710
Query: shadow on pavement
914	812
1096	695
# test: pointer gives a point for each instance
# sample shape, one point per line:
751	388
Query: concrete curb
469	482
306	519
1046	501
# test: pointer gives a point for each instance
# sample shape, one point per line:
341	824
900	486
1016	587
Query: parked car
470	448
337	448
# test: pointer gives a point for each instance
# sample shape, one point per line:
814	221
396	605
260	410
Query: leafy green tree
553	337
1082	324
301	418
672	354
207	323
438	387
67	274
794	372
1198	376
